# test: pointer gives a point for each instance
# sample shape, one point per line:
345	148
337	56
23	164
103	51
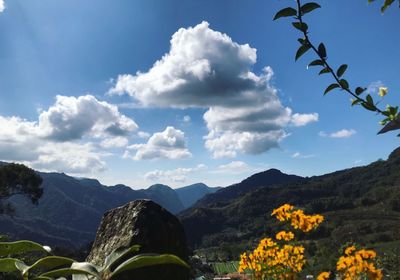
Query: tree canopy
17	179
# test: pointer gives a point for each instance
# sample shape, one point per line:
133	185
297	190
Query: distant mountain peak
159	187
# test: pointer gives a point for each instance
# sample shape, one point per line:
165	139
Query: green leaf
368	106
48	263
360	90
344	84
144	260
302	50
331	87
324	71
322	50
355	102
370	100
20	247
76	268
302	26
386	5
79	277
118	254
301	41
392	125
341	70
317	62
286	12
309	7
8	265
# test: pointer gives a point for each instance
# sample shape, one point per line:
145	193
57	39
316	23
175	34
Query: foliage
55	267
386	4
284	258
17	179
222	268
355	203
358	264
390	114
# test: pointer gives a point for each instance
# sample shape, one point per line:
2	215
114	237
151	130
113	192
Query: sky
180	92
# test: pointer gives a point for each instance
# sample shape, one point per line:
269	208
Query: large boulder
147	224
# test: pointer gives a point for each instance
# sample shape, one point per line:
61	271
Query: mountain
360	205
70	209
189	195
165	196
263	179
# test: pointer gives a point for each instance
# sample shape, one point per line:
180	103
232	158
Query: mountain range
360	204
70	209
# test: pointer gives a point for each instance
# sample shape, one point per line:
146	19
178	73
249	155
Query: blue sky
81	93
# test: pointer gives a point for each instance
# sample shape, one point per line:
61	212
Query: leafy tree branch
391	115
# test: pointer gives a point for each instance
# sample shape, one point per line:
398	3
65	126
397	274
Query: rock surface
147	224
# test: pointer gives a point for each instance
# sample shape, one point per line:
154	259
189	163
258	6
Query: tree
390	114
17	179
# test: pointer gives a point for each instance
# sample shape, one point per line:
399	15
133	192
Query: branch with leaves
385	5
391	120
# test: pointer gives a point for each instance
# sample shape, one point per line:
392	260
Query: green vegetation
360	205
391	115
54	267
17	179
222	268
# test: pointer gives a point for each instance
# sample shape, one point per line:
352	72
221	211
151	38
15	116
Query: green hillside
360	205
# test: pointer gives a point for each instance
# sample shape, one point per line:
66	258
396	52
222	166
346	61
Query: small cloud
168	144
187	119
232	167
322	134
2	6
178	175
304	119
143	134
343	133
358	161
300	155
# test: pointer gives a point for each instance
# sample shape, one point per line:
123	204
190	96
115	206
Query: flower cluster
297	218
324	275
357	264
280	258
273	259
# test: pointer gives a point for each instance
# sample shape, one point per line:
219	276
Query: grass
221	268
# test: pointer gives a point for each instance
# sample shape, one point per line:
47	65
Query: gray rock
147	224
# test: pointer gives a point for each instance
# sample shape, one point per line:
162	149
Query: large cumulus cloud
207	69
64	137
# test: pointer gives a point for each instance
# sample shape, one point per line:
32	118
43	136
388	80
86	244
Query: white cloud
71	118
69	158
304	119
175	175
62	138
207	69
2	6
300	155
187	119
114	142
343	133
169	144
143	134
233	167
